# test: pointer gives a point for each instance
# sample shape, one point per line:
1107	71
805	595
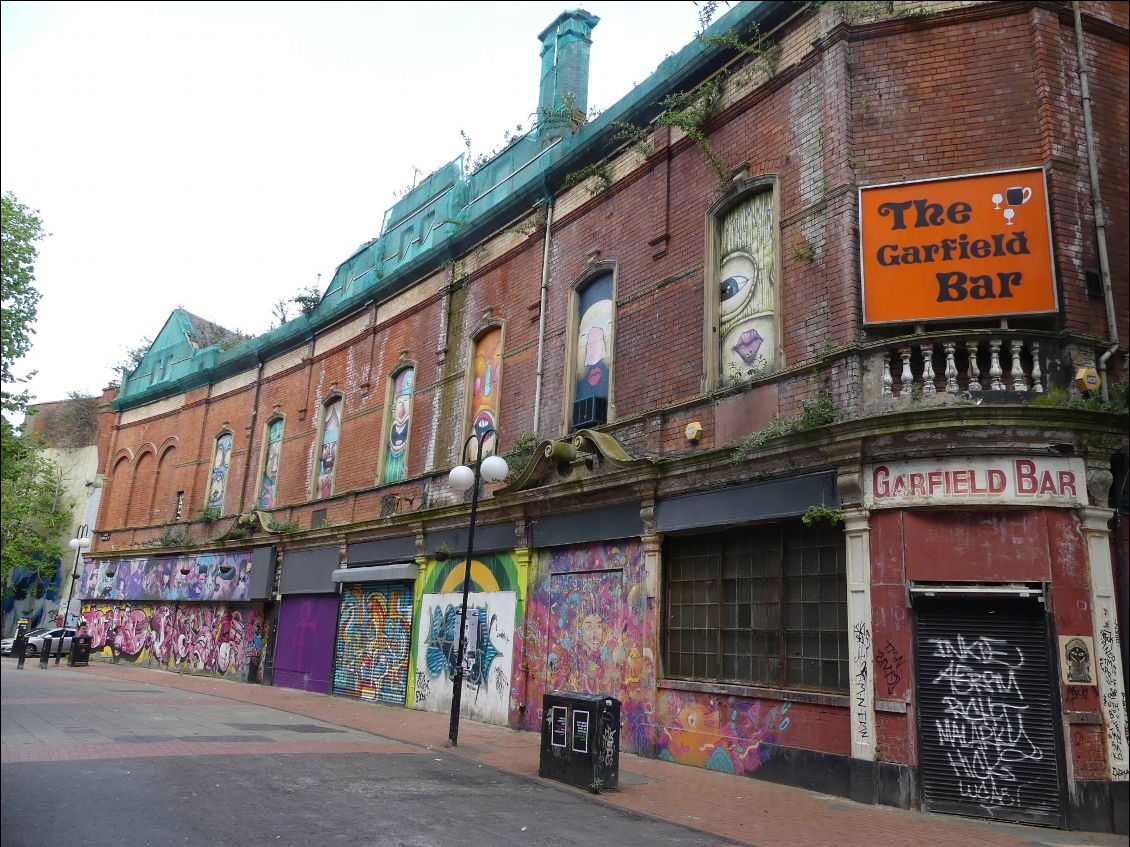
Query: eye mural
747	291
399	425
221	459
327	455
269	486
487	374
594	339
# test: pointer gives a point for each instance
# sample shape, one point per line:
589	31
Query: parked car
36	641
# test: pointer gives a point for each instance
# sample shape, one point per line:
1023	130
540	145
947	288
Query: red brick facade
971	88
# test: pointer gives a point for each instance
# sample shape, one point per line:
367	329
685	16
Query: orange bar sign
960	247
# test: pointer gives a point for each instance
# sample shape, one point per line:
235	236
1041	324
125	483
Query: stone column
861	684
1108	651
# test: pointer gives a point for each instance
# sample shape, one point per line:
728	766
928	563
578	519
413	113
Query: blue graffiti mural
30	595
443	645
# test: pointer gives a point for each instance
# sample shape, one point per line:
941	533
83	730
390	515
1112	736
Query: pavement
734	810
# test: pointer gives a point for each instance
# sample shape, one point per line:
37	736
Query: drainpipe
1096	200
544	298
251	440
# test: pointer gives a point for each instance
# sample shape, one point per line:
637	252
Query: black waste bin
580	740
80	651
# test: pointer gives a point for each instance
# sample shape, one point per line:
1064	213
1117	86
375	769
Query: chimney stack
564	87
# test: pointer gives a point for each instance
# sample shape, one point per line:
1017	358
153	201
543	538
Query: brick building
785	352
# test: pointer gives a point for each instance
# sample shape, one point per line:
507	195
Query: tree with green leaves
19	298
33	509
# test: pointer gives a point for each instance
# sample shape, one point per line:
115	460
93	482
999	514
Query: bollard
59	652
45	653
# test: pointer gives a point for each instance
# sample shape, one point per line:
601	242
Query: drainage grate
142	739
224	738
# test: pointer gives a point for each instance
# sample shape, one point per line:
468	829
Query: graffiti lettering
862	708
1112	697
422	687
889	662
983	730
217	639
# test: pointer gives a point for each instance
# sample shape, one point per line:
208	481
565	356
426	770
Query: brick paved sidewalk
740	810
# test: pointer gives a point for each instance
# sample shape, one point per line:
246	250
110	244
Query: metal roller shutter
374	632
987	710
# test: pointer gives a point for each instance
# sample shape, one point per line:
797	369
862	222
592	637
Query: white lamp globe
494	469
79	543
461	478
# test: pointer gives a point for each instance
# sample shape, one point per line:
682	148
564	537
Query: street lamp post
80	542
493	469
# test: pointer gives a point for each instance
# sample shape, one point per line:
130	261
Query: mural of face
399	427
328	454
594	335
268	490
747	298
484	386
592	631
219	479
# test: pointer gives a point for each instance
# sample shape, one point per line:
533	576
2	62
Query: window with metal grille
760	605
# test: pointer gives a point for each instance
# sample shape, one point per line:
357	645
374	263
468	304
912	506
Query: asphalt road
93	761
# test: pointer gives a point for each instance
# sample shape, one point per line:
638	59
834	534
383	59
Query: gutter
543	304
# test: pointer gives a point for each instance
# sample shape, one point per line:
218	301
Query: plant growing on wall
207	514
814	412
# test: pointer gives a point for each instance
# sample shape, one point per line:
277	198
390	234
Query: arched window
398	425
742	305
269	464
218	479
591	343
328	448
485	385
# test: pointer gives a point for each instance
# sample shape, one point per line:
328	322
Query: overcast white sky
219	157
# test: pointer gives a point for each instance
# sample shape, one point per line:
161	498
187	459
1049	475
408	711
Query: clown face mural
399	426
485	381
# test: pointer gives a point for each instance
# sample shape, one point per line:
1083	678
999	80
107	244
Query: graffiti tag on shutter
983	730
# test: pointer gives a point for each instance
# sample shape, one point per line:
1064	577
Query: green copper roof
443	217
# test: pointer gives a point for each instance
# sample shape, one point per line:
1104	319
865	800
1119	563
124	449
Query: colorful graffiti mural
585	633
269	485
327	454
747	298
489	687
30	595
212	639
194	577
717	733
594	339
486	377
399	425
588	630
374	633
218	481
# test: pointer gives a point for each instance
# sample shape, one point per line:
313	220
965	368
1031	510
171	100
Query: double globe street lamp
80	542
491	469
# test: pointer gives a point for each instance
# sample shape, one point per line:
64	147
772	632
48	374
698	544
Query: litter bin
580	740
80	651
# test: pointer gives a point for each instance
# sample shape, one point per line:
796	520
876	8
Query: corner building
786	352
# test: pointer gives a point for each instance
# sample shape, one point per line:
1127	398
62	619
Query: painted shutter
987	710
374	632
